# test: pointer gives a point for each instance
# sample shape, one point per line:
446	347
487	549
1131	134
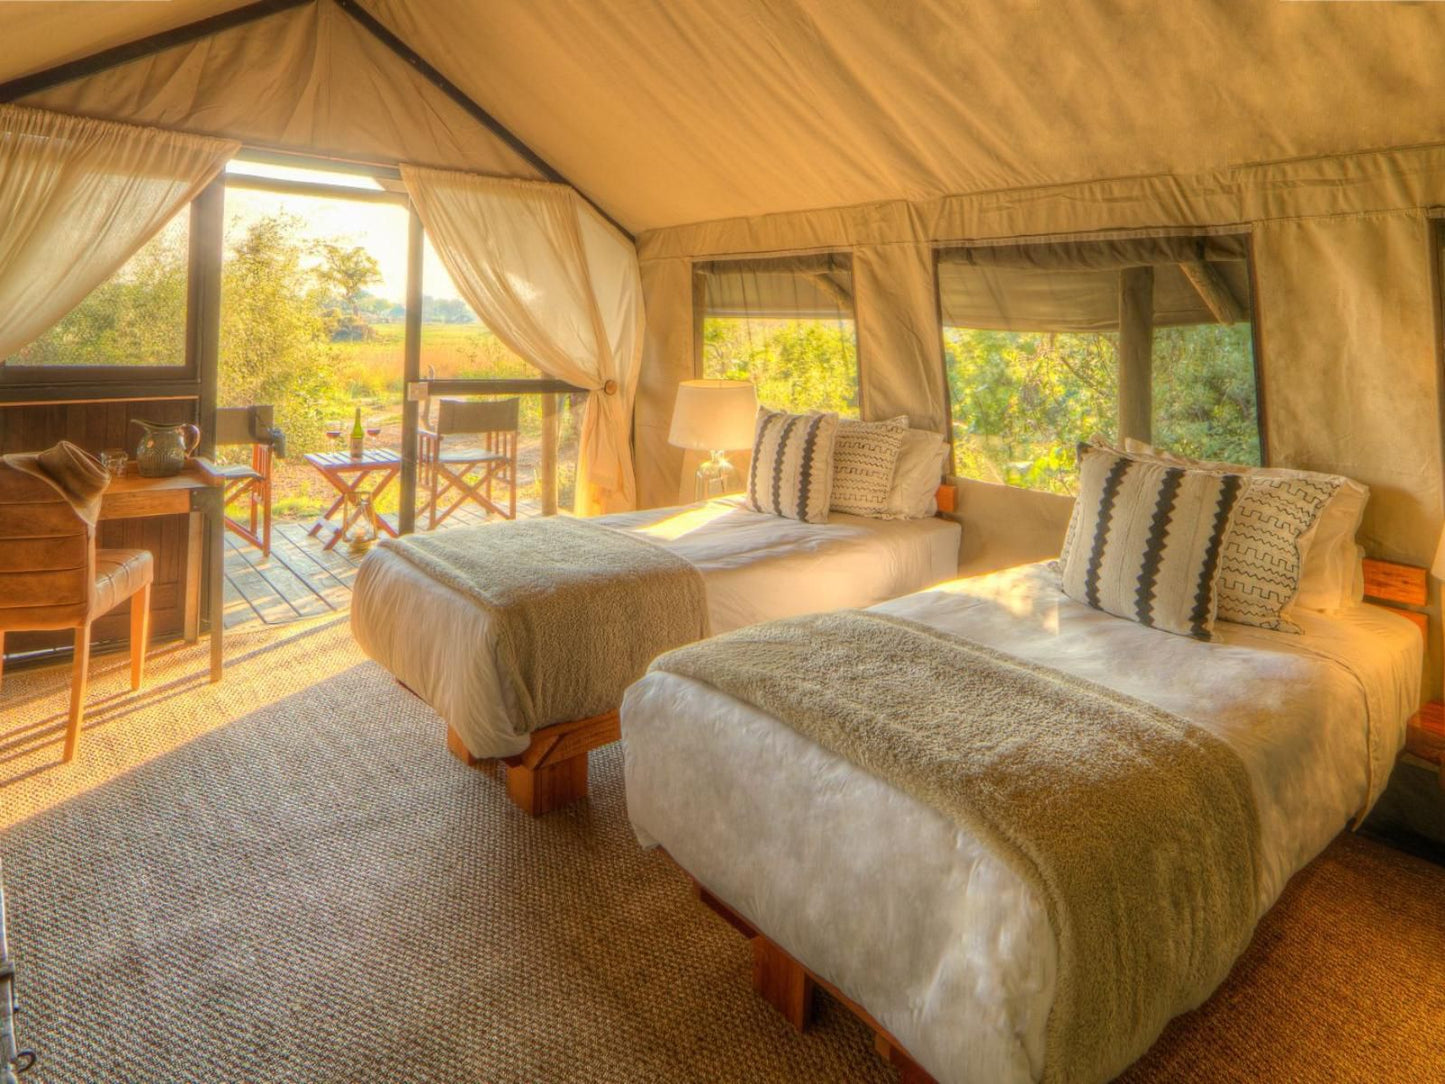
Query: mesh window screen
1032	346
786	325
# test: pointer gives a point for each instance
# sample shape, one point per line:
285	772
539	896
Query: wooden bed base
552	771
790	988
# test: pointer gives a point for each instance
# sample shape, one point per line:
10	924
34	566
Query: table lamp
714	416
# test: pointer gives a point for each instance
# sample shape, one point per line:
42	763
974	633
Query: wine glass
334	426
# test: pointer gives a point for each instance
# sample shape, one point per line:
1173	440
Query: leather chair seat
120	574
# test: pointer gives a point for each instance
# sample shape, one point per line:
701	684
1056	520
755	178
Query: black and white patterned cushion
792	468
1260	568
1148	539
865	455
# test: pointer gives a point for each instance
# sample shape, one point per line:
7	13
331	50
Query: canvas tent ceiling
306	78
670	113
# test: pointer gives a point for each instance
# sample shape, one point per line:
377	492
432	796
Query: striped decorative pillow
792	470
865	456
1147	540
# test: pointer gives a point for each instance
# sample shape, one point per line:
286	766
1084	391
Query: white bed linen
910	916
756	567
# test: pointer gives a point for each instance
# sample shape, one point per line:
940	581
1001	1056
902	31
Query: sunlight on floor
124	730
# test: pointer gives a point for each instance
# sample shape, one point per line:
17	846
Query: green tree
1022	401
1205	401
348	271
795	364
274	342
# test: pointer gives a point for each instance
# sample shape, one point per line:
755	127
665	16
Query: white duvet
755	567
910	916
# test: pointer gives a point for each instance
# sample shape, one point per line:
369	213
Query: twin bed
914	920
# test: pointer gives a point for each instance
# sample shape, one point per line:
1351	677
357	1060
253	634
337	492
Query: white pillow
916	478
1330	576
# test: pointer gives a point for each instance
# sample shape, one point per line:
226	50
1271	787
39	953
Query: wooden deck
300	579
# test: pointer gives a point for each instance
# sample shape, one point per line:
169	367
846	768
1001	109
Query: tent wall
1345	312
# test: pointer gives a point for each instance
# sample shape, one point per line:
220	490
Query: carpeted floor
286	878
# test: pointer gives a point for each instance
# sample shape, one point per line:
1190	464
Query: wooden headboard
1399	586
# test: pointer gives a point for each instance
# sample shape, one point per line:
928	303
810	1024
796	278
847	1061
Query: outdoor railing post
549	453
411	374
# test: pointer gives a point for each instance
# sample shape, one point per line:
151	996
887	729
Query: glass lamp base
717	478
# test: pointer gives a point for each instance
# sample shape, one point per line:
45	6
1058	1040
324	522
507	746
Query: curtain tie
610	388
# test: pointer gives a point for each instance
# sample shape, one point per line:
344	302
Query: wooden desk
198	493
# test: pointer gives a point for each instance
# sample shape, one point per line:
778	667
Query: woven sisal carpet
286	878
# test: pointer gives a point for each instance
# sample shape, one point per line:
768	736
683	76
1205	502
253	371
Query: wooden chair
53	577
468	473
251	482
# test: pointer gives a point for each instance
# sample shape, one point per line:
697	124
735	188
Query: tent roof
670	113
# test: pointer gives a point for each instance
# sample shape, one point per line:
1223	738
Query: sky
377	227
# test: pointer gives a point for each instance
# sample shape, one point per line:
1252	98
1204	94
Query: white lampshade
714	415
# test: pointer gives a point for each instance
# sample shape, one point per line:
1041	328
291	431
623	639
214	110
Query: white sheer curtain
560	287
78	197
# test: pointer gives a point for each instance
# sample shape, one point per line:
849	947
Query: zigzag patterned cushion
1147	540
792	469
1260	567
865	456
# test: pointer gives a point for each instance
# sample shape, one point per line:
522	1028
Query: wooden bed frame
791	988
552	771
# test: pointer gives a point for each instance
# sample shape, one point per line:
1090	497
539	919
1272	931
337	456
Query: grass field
448	351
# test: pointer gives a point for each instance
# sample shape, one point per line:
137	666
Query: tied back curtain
560	287
79	197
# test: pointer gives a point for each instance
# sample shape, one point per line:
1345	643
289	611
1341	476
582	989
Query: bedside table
1425	739
1410	814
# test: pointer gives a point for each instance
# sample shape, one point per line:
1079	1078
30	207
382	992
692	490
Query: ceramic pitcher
163	449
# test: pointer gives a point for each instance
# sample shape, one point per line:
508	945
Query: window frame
713	265
125	379
942	249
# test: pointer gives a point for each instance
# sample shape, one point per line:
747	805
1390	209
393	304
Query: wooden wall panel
28	427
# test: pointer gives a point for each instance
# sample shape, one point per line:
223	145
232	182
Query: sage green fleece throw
580	609
1136	829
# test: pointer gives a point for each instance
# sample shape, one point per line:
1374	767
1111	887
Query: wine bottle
358	437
